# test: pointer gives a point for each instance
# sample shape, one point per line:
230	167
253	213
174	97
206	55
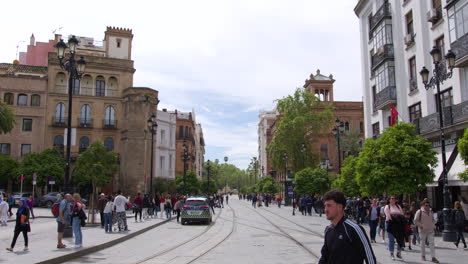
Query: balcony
453	115
85	122
434	15
382	13
382	54
385	98
109	124
460	48
59	121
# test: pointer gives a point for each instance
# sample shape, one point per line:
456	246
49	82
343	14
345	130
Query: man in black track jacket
345	241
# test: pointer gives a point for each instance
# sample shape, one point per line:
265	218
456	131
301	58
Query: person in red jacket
138	204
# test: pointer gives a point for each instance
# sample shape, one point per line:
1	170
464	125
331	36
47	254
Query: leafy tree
346	181
47	163
163	185
398	162
192	183
350	141
270	187
7	118
302	118
463	149
312	181
212	187
8	167
96	165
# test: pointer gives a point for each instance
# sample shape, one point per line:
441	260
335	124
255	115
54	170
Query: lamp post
185	157
303	151
285	159
439	76
208	168
153	128
75	70
338	132
225	176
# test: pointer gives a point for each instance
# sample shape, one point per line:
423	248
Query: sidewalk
446	252
43	239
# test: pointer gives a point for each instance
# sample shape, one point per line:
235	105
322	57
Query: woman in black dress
22	225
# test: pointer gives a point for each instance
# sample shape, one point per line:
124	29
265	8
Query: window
85	115
446	98
119	41
389	120
415	111
22	99
35	100
8	98
110	116
375	129
361	127
458	20
413	74
100	86
109	144
25	149
385	76
58	141
76	87
346	126
163	137
60	113
374	97
181	132
409	23
382	35
84	143
170	161
161	165
5	148
186	132
27	124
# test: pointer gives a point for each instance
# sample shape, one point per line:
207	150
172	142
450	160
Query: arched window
186	132
60	113
85	119
181	132
100	86
110	116
76	87
22	99
84	143
8	98
35	100
87	85
109	144
61	83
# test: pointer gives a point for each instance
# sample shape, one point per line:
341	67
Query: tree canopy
8	168
463	149
398	162
7	118
312	181
45	164
192	183
302	118
213	188
346	181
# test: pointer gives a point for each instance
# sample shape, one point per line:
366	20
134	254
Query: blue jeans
108	222
373	228
76	226
391	241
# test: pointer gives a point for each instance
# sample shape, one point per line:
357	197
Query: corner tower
118	43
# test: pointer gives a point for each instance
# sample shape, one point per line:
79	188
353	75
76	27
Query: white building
199	151
267	118
396	38
166	145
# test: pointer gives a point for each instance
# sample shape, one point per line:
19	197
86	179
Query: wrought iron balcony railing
385	98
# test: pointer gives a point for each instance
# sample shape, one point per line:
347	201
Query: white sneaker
78	246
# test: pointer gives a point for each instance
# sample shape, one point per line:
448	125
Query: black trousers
460	236
102	218
137	211
178	215
15	236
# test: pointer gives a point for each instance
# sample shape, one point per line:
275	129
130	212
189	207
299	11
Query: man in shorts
63	218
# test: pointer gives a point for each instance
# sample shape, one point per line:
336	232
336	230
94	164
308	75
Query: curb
86	251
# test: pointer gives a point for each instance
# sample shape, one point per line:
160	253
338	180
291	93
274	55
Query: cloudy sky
225	59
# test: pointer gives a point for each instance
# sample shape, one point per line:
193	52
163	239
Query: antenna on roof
60	28
17	47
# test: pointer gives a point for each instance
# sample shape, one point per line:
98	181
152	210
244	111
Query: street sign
34	176
34	182
21	178
51	182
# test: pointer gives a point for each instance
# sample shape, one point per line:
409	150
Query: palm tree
7	119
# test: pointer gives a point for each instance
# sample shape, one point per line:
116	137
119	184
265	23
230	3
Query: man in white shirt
119	207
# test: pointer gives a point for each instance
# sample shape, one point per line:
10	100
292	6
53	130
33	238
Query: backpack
56	208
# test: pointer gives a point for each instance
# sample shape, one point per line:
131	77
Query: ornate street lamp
440	75
75	70
208	168
153	128
185	157
338	131
225	176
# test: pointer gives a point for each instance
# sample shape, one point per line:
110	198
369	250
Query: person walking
424	219
162	202
382	220
102	202
374	212
77	216
178	206
345	241
459	223
4	208
254	201
145	207
414	230
211	202
278	200
107	212
319	206
137	206
394	224
30	204
119	208
22	225
11	202
63	218
227	199
168	207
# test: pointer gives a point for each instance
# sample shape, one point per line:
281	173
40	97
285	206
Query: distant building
267	119
166	145
199	150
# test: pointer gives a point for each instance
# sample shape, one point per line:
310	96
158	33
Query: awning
452	174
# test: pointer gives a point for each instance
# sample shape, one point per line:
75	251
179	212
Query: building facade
185	136
267	119
396	38
199	150
166	145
